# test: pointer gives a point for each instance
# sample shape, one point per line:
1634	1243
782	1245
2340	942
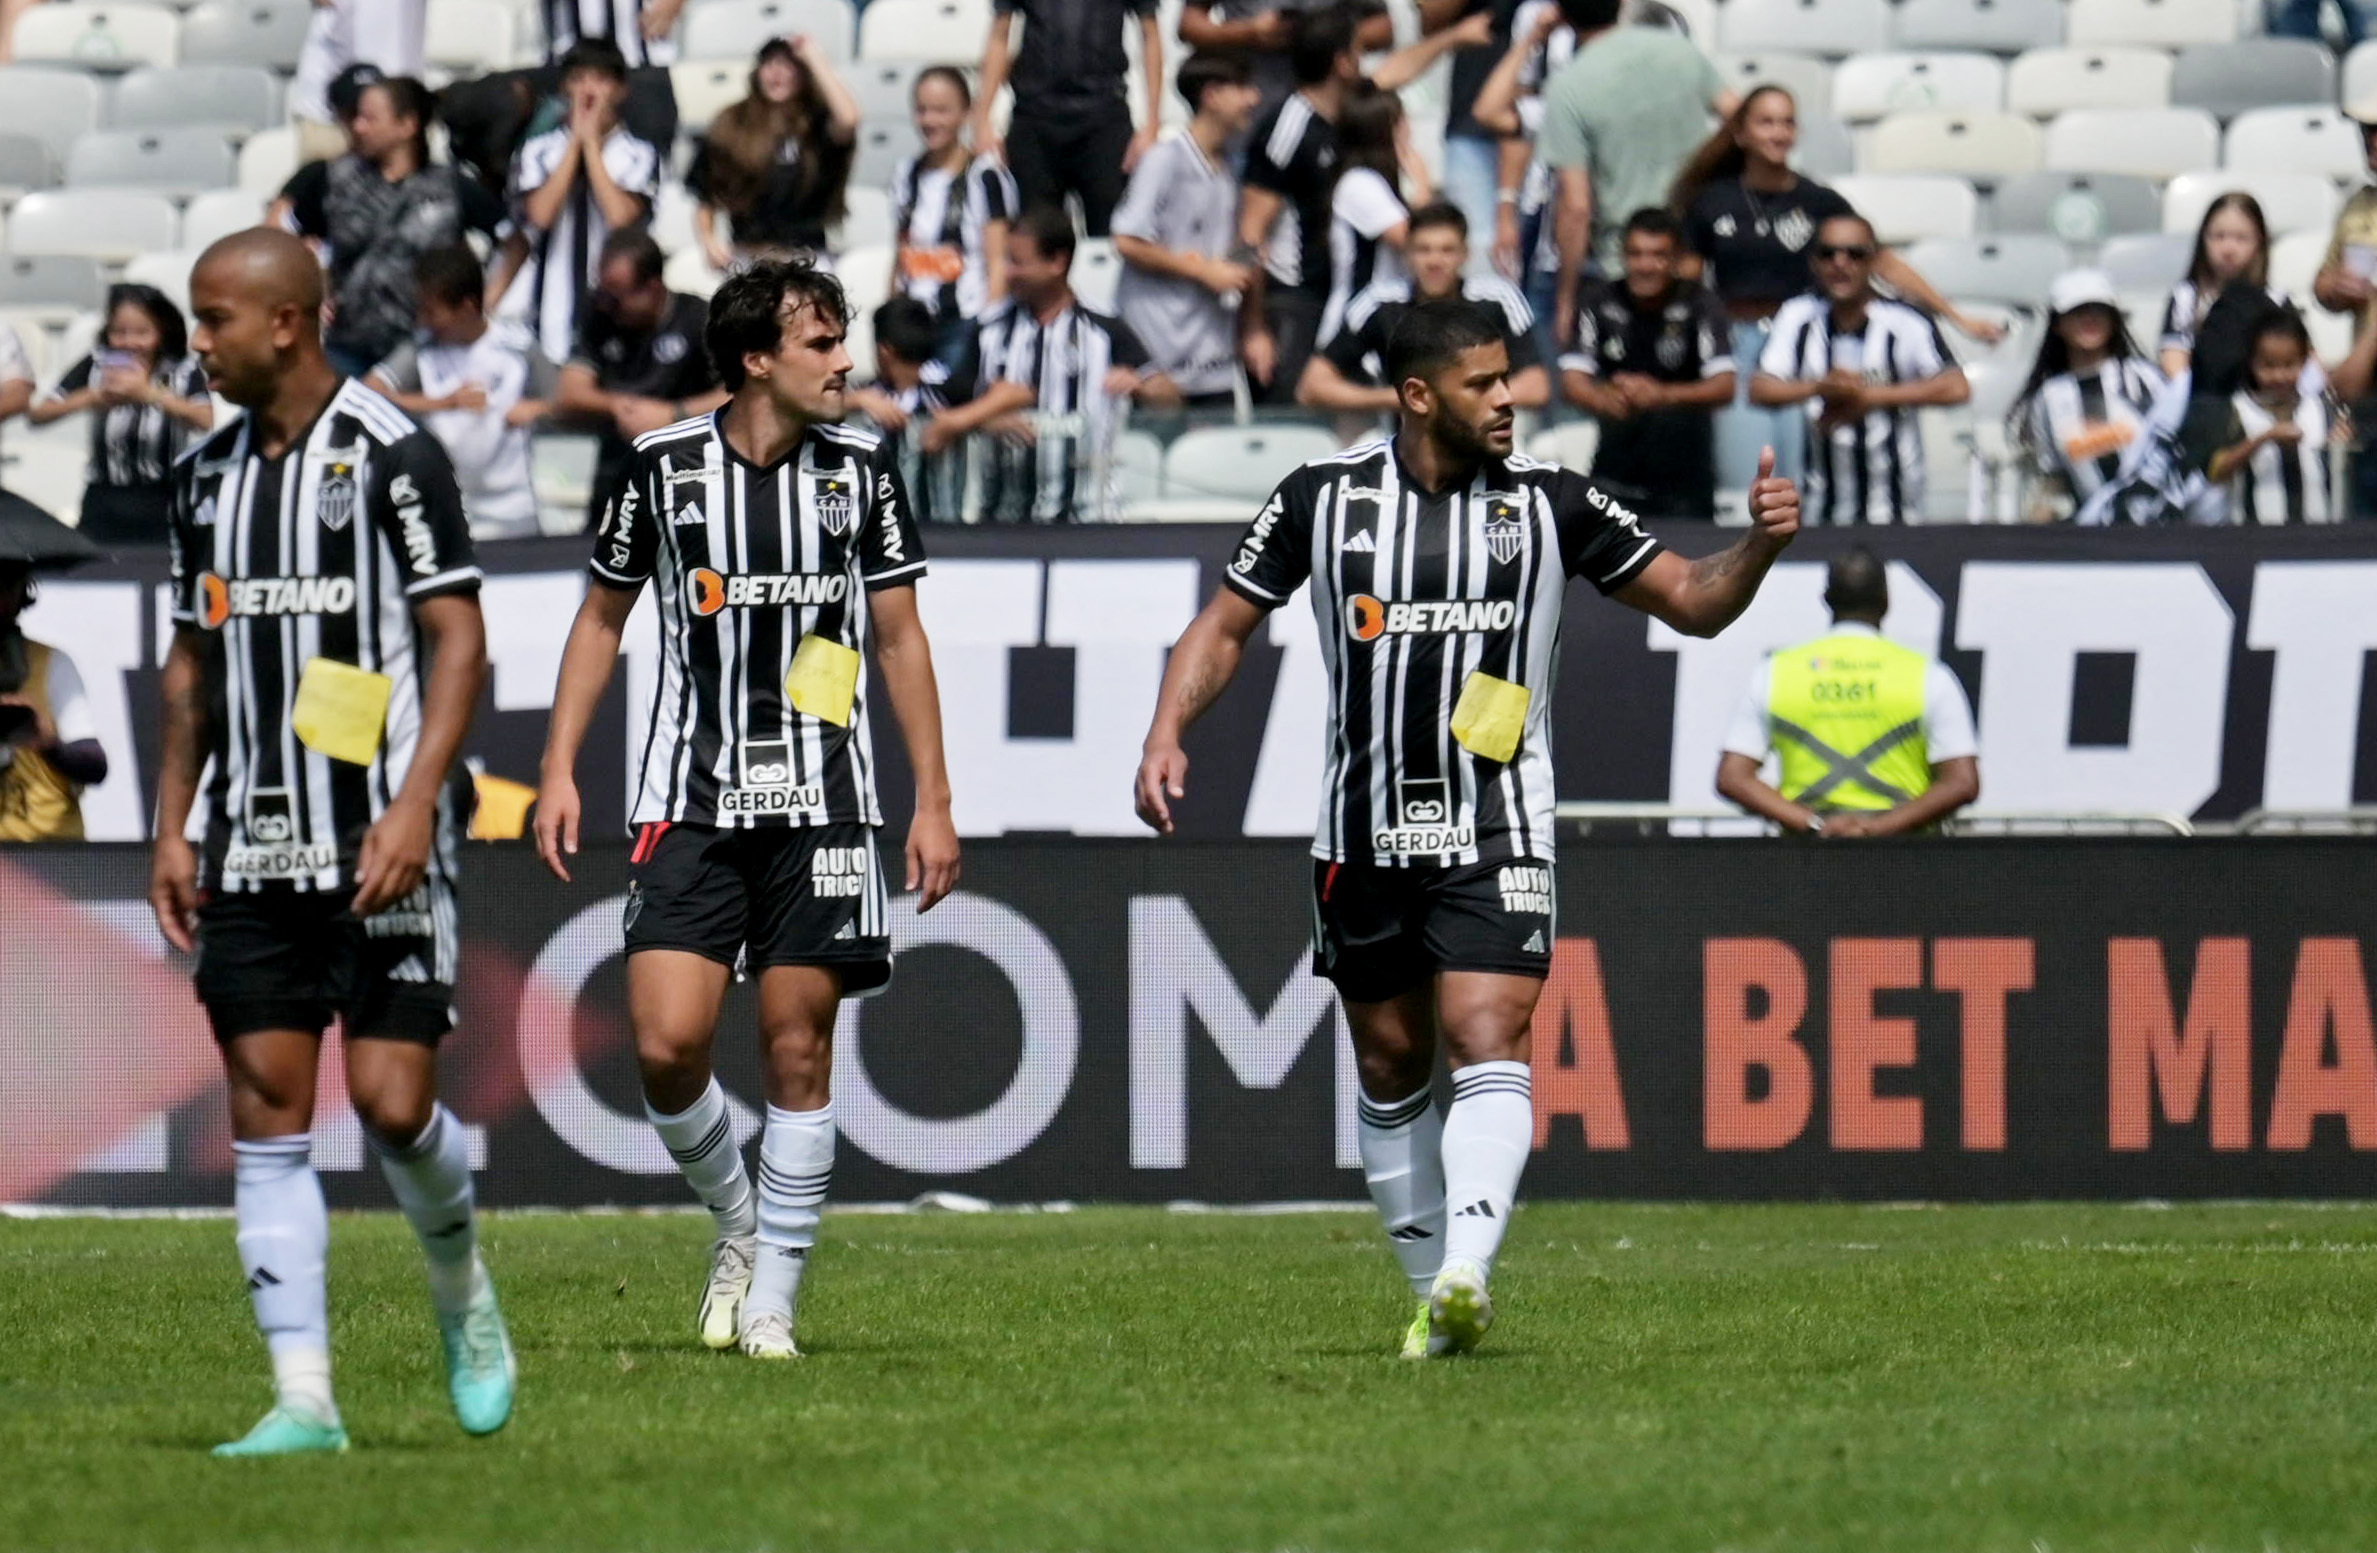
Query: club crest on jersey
835	502
334	498
1793	229
714	591
1506	529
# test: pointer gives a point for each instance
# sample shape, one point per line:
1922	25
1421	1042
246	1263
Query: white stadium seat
99	37
672	217
2150	142
1987	146
1910	206
217	214
54	285
2295	260
1868	86
469	37
2147	262
2294	140
169	272
2227	79
865	273
1998	26
178	165
930	31
1807	78
2162	24
1138	464
2015	269
866	220
1826	148
2080	208
706	88
881	147
244	98
2359	74
688	270
246	32
1097	271
1239	462
2046	82
267	160
1831	27
25	165
736	29
105	224
2290	202
885	88
54	106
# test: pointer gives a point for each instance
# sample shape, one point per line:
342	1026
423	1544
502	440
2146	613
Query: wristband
1506	196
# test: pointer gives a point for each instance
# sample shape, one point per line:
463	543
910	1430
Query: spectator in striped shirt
2087	398
2271	450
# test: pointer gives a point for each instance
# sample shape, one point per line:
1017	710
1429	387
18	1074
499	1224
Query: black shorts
1379	932
283	959
774	895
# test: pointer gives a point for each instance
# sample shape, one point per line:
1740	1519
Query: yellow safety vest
37	803
1845	713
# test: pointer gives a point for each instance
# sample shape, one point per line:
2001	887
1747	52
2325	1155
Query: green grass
1692	1378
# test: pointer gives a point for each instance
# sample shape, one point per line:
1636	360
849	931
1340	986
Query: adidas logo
846	930
1360	544
1534	943
1480	1209
262	1278
1411	1232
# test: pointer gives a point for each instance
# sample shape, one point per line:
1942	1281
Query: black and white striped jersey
616	21
2079	423
1416	591
1067	474
2280	483
1868	469
744	562
321	553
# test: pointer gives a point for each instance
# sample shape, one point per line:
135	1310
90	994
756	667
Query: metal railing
2357	821
1700	820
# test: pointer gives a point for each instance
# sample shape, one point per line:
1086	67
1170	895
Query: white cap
2079	288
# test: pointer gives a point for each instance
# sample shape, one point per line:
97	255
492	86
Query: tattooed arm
1703	597
173	873
1203	661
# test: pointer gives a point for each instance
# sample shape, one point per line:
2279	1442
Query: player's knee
668	1055
397	1119
1392	1070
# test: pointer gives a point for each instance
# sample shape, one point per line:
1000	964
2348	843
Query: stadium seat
2290	202
171	164
1948	434
1829	27
881	147
2359	74
1242	463
2080	208
2016	269
2295	260
169	272
1696	19
672	217
1996	26
1826	149
706	88
2046	82
688	270
217	214
246	32
2294	140
1868	86
112	225
1908	206
866	221
267	161
736	29
2150	142
885	88
865	273
1138	464
2163	24
469	37
1097	270
2147	262
245	98
2226	79
52	284
1807	78
99	37
53	106
1987	146
929	31
25	165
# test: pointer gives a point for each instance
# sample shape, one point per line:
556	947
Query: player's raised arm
1203	662
1703	597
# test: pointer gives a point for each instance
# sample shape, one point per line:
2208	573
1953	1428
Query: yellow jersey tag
824	680
340	710
1491	717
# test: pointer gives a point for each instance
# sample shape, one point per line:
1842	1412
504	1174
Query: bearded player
780	549
1438	562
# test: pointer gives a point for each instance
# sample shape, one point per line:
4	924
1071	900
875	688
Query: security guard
1874	739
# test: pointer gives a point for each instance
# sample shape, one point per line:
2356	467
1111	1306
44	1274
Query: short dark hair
451	275
1430	335
637	243
1440	213
599	55
1856	584
1871	236
905	327
747	312
1200	73
1321	38
1591	15
173	334
1049	228
1656	221
2285	323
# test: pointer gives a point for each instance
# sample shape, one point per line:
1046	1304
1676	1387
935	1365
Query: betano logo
219	598
1367	618
714	591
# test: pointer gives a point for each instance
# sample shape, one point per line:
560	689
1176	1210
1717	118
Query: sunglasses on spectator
1857	251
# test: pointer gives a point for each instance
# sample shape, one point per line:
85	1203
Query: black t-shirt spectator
1293	154
1472	66
375	231
668	364
1071	56
1274	74
1756	243
794	201
1667	456
1357	349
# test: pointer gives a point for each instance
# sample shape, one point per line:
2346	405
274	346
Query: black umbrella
31	536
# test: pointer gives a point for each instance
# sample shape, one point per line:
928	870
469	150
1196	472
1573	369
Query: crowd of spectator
1638	229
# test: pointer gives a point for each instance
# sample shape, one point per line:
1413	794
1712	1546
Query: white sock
284	1248
1488	1134
431	1179
796	1165
1403	1164
701	1138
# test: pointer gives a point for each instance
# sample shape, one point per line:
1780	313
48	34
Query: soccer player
327	653
779	546
1438	561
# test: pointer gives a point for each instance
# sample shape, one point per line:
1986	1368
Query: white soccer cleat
768	1335
722	1300
1459	1308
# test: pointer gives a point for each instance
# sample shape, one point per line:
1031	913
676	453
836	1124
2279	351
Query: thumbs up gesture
1774	503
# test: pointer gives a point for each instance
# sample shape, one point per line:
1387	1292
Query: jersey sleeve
182	552
1947	717
1928	354
419	507
78	377
1601	540
2178	333
401	368
627	540
1780	355
891	550
1274	557
1716	335
1365	202
1129	350
1584	350
1746	731
15	365
1349	348
1519	337
1143	198
70	707
1263	170
481	210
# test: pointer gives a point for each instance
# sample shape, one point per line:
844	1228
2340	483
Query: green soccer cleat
722	1298
1459	1308
282	1432
480	1372
1416	1338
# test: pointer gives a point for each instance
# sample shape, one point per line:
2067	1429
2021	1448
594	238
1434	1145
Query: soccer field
1661	1377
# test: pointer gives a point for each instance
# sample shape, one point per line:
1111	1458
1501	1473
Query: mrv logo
1367	618
714	591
